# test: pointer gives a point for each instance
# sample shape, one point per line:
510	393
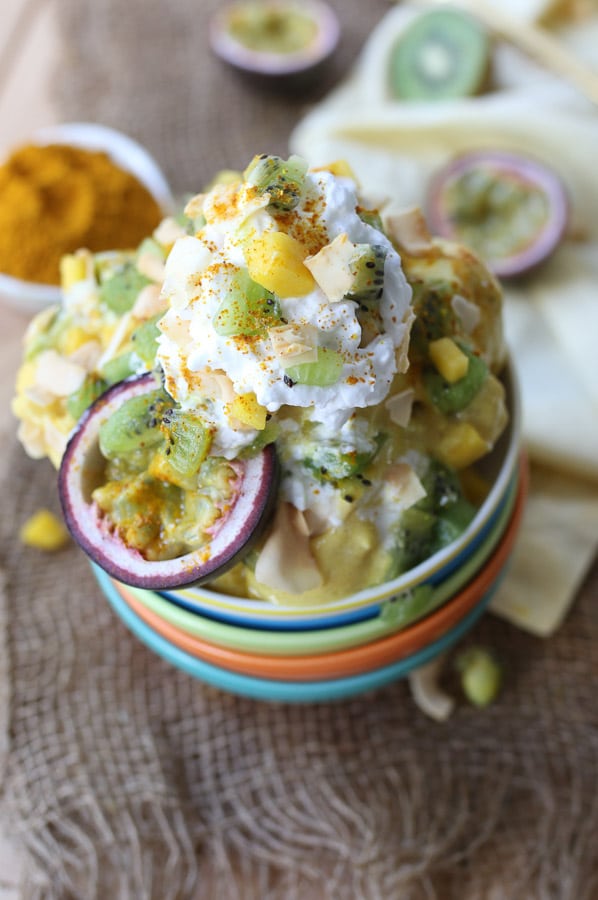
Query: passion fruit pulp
511	209
232	535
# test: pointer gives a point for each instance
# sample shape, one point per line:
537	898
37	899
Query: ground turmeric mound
55	199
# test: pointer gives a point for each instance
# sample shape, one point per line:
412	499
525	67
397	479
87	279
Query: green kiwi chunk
367	266
121	289
248	308
135	425
118	368
83	397
444	54
452	397
330	463
145	340
323	372
283	180
188	442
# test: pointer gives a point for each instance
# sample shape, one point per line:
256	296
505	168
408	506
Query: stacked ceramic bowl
363	641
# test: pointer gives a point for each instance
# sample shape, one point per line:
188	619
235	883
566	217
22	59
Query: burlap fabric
128	779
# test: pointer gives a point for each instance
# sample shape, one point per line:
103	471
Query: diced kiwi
120	291
371	217
81	399
330	463
248	308
443	54
452	397
283	180
368	273
145	340
453	521
417	537
323	372
134	425
118	368
188	442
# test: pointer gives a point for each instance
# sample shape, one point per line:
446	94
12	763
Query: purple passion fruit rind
524	173
81	468
273	60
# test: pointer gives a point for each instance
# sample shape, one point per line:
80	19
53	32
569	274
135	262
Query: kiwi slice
451	398
121	289
247	309
283	180
83	397
134	425
443	54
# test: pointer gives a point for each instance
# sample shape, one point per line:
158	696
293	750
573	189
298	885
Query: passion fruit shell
79	474
531	177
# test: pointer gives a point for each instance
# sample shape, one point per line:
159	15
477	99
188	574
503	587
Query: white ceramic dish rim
127	153
408	580
260	62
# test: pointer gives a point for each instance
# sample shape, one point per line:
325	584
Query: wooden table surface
29	52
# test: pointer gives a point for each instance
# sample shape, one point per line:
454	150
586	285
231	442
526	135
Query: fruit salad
322	380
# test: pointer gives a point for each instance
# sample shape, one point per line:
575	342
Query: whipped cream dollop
206	370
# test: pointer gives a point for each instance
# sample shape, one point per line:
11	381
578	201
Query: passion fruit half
512	210
82	471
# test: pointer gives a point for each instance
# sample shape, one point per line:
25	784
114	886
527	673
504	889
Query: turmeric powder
55	199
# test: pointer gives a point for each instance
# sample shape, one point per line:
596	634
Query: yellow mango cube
461	445
339	167
74	338
449	359
276	261
73	268
248	411
44	531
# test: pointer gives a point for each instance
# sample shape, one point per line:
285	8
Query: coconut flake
399	407
149	302
427	694
58	375
295	342
408	229
286	562
151	266
468	313
403	485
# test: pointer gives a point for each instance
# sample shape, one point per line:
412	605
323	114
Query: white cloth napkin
551	320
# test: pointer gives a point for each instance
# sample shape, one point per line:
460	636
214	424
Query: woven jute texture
126	778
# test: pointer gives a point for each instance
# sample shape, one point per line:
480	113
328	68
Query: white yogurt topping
199	272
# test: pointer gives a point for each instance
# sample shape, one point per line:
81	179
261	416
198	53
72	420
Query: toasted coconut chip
330	267
404	485
426	692
286	562
58	375
298	343
168	231
194	206
467	312
216	384
149	302
408	229
399	407
151	266
120	333
87	355
402	351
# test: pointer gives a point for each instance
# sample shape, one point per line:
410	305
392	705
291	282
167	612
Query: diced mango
44	531
275	260
248	411
73	268
449	359
339	167
461	445
73	338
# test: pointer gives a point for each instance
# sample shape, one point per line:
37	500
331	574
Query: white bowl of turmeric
71	186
